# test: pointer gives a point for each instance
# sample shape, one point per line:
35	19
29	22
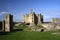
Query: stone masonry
8	23
32	18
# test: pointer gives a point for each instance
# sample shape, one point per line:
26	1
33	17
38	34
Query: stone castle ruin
7	24
33	19
37	19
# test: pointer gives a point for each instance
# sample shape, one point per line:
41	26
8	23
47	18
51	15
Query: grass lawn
24	35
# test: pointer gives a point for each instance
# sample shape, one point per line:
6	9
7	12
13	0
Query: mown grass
25	35
28	35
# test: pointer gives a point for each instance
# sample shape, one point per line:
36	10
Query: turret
31	17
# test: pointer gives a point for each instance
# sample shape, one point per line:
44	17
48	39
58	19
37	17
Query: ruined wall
40	19
26	18
55	20
8	23
33	18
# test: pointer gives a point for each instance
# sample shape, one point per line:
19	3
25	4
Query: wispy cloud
3	13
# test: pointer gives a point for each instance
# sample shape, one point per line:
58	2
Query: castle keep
33	19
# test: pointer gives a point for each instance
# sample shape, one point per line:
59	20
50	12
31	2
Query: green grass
25	35
24	27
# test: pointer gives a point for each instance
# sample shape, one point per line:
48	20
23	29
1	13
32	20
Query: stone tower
33	19
8	23
26	18
40	19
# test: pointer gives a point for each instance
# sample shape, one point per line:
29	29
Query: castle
32	18
37	19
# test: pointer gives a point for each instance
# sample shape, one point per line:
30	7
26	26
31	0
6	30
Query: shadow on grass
9	33
4	33
15	30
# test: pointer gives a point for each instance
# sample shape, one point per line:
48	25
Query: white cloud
3	13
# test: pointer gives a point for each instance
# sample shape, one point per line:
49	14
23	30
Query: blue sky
18	8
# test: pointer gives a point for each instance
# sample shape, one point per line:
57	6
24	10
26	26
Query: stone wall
55	20
33	19
8	23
